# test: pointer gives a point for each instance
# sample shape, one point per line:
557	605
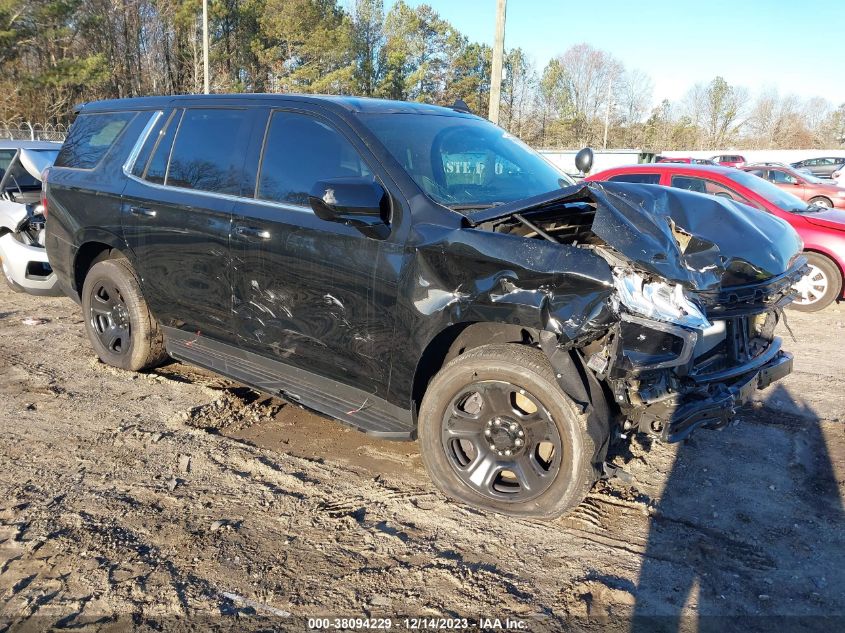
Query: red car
806	186
729	160
823	231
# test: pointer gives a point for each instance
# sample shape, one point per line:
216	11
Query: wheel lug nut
521	434
513	427
487	433
493	447
498	423
508	452
518	442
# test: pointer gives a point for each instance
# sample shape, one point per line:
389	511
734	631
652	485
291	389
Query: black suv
417	272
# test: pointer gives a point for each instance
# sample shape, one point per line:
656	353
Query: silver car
22	253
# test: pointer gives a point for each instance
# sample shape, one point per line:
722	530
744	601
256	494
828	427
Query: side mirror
358	202
584	160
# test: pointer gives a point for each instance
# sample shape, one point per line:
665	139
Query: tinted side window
209	150
147	148
90	137
701	185
157	169
781	177
645	179
300	150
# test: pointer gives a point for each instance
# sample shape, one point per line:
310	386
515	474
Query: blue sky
794	46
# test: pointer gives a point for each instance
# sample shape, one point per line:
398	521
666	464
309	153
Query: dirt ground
174	497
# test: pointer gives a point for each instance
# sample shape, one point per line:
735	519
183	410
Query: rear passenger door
177	214
311	293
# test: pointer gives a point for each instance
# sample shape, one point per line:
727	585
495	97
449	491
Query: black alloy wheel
501	441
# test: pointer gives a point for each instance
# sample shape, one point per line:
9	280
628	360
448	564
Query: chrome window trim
222	196
129	164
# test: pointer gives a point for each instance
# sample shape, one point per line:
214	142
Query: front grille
746	337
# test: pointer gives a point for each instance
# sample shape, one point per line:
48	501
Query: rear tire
821	287
119	324
520	449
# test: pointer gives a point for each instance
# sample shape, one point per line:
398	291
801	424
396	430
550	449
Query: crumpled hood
830	219
697	240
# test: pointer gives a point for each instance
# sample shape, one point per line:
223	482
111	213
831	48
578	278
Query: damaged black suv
417	272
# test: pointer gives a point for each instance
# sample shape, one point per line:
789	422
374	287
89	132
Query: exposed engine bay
685	332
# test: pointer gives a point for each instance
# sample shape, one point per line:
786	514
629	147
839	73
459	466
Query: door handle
252	232
142	211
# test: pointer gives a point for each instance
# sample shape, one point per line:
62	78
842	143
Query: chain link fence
27	131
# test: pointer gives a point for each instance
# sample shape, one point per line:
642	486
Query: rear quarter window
90	138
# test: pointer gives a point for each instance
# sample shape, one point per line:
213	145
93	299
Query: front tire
820	287
119	324
496	432
821	201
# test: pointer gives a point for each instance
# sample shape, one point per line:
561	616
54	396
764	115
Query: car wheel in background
820	287
821	201
118	322
498	433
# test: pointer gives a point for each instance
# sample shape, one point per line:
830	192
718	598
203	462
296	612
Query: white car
22	253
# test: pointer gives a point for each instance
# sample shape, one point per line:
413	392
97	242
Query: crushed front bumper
669	381
720	408
27	266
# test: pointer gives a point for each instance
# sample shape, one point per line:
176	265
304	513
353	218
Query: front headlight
658	300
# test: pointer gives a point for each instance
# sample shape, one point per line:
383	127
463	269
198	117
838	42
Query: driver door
311	293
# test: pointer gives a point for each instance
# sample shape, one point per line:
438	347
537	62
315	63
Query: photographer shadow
749	524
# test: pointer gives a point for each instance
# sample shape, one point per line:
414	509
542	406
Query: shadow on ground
782	530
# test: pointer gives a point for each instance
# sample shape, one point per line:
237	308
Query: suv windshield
464	162
772	193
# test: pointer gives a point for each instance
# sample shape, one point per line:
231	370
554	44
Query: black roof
347	104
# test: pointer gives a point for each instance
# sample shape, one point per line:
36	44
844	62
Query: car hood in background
36	161
830	219
700	241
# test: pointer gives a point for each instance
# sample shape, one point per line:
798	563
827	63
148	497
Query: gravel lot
140	499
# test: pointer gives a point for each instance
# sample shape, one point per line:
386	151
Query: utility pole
205	81
498	55
607	110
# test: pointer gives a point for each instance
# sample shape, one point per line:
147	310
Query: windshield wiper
810	208
474	207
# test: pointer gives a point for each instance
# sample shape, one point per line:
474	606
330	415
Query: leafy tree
308	46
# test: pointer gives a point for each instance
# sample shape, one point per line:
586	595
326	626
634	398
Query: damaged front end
686	333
